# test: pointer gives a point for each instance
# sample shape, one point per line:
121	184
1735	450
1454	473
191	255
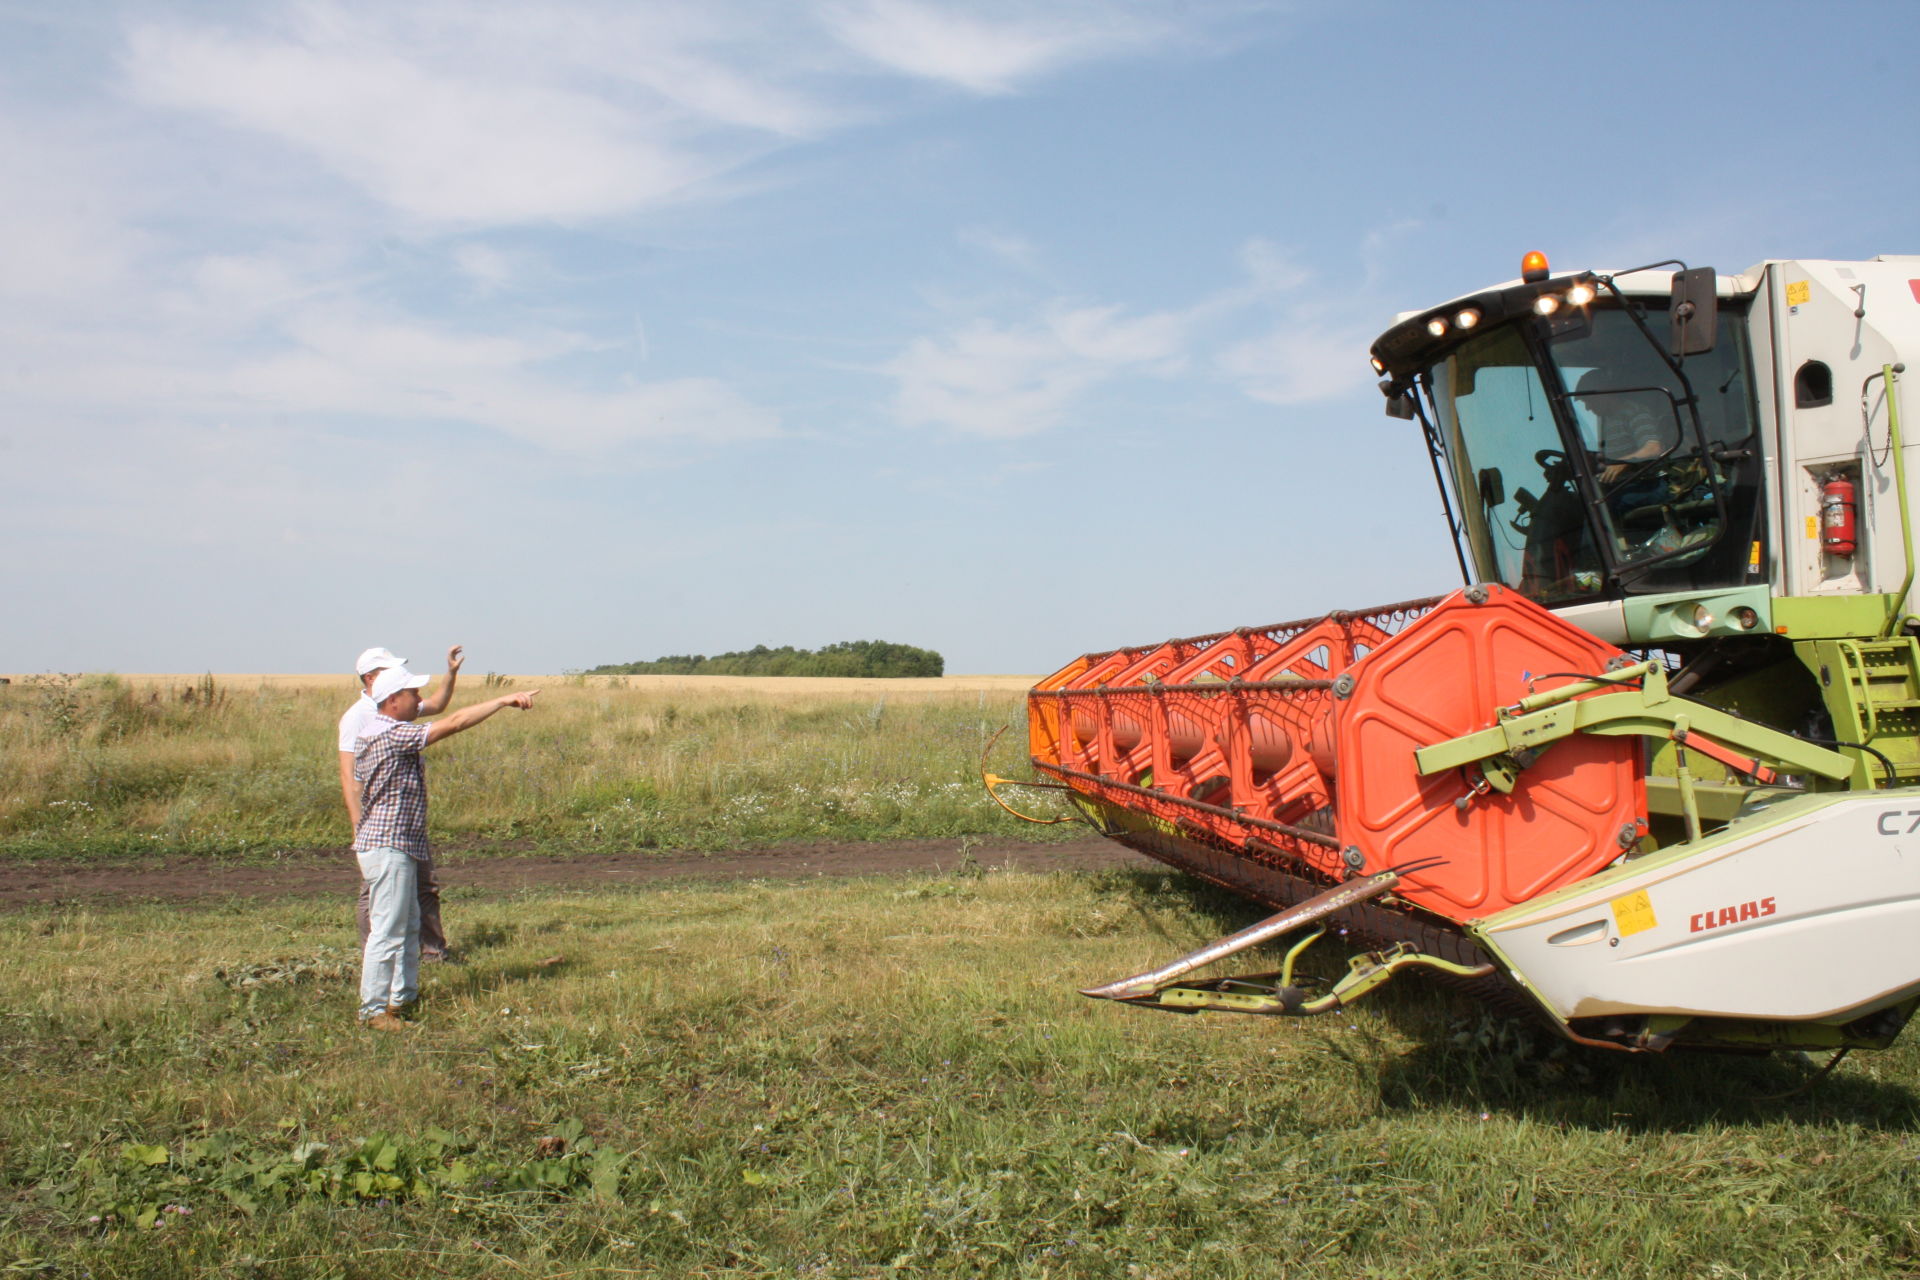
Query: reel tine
991	780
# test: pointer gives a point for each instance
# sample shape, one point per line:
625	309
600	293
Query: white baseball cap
376	659
391	681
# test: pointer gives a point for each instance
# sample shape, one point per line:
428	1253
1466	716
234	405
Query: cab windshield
1582	471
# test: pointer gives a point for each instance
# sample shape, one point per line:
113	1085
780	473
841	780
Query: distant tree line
848	658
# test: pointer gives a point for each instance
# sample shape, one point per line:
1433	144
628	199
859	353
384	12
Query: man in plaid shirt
391	837
433	935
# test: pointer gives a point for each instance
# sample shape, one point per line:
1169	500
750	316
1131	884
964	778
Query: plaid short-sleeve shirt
393	787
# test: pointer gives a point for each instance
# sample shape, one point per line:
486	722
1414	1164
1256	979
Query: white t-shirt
358	718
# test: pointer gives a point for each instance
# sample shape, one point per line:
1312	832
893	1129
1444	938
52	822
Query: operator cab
1596	440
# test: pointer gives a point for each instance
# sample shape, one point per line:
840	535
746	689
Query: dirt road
333	872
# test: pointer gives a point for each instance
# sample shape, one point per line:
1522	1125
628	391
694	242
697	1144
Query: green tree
859	658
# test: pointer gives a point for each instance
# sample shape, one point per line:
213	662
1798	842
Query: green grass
872	1078
98	767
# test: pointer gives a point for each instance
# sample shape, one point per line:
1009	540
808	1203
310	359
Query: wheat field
248	765
769	686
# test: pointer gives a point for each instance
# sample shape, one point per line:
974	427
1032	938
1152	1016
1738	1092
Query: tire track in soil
316	871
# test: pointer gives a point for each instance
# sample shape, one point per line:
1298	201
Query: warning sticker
1813	526
1633	914
1798	292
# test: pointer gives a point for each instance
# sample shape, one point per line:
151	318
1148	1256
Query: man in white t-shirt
433	938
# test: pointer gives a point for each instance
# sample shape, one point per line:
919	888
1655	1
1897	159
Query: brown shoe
384	1022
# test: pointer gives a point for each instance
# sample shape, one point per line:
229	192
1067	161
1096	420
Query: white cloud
1316	347
138	287
480	112
988	381
222	240
1102	336
351	364
486	268
250	339
60	238
1380	245
1002	246
1270	269
988	54
493	113
438	146
1297	364
496	113
1004	381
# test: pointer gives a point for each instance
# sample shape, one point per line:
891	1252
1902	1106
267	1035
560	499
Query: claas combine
1654	771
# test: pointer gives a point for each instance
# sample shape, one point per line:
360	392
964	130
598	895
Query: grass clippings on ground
866	1079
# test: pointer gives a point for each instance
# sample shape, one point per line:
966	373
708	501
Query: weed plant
100	766
865	1079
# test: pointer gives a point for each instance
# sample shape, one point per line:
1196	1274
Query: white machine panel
1806	918
1851	320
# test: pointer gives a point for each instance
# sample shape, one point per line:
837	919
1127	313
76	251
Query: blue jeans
390	962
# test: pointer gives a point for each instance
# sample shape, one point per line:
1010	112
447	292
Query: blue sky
586	332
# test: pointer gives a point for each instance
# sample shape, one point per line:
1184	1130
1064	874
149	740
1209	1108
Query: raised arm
350	788
440	701
467	717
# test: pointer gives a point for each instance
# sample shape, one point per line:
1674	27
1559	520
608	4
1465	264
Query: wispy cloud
1005	247
990	49
60	238
487	269
436	144
347	361
1003	381
1298	363
336	130
269	338
1007	378
494	113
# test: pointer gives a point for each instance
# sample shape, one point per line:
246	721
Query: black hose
1892	778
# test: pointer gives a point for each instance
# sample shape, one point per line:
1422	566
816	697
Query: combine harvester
1657	770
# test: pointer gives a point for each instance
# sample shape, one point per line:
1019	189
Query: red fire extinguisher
1836	516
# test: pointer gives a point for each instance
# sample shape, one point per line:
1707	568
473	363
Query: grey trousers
433	938
390	958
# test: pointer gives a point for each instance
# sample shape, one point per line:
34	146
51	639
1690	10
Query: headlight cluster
1534	270
1462	320
1578	295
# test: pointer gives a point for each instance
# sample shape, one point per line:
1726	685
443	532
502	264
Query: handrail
1890	377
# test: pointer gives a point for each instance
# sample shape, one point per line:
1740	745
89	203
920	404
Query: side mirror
1399	403
1493	488
1695	311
